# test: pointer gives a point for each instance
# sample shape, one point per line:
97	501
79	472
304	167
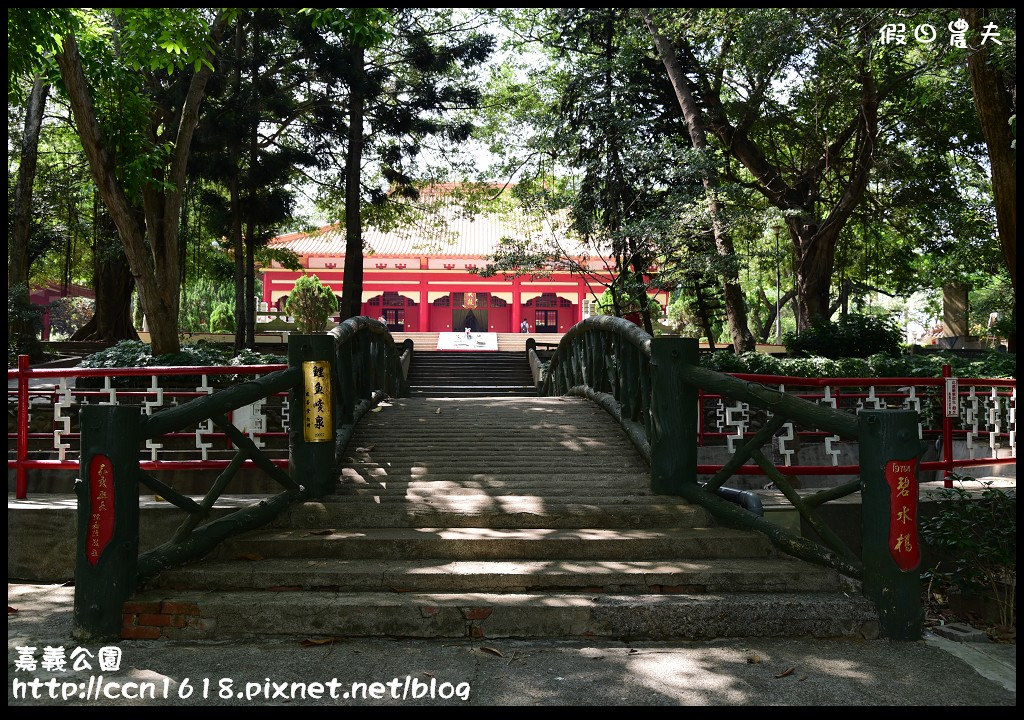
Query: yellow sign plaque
317	419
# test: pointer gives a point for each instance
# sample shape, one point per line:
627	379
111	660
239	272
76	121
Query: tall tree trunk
236	209
250	234
113	284
996	104
352	289
813	239
735	305
250	287
238	249
152	248
18	266
815	259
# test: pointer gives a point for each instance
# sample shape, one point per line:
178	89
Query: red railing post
21	479
947	432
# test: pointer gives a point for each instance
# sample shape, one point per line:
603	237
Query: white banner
952	397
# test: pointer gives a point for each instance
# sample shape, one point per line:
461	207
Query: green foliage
311	304
850	336
133	353
247	356
629	291
199	300
992	365
222	319
68	315
978	536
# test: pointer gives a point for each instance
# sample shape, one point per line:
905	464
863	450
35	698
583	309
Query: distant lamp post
778	287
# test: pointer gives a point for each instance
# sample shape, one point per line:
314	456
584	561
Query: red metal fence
951	409
52	392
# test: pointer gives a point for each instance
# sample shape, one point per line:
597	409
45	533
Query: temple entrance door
394	318
475	320
547	321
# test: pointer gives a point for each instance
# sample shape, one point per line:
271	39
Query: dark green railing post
889	453
106	561
673	435
315	404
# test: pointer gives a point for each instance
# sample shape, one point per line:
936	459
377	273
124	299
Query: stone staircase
507	342
470	374
497	517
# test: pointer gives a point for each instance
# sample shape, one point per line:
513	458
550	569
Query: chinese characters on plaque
101	507
903	545
896	34
317	419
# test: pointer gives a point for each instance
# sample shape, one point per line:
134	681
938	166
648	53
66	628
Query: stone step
501	513
590	576
449	464
479	543
595	496
499	480
435	615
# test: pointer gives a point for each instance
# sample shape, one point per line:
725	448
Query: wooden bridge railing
332	380
650	385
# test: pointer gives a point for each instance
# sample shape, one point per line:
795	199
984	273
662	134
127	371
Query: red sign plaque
903	545
101	507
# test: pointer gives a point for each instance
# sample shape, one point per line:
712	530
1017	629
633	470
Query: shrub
978	535
199	298
311	304
852	336
222	319
992	365
251	357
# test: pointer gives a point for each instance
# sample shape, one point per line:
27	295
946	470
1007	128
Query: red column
517	305
424	324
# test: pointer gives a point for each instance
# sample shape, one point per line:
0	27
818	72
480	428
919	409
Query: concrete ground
273	671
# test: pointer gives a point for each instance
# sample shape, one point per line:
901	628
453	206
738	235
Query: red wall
500	319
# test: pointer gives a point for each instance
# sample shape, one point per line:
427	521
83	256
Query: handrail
602	358
335	377
651	386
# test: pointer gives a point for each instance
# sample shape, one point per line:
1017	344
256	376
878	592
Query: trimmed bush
222	319
852	336
311	304
992	365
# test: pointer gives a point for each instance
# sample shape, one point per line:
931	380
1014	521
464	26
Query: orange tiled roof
437	230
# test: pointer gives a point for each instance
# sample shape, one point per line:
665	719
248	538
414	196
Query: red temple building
420	277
